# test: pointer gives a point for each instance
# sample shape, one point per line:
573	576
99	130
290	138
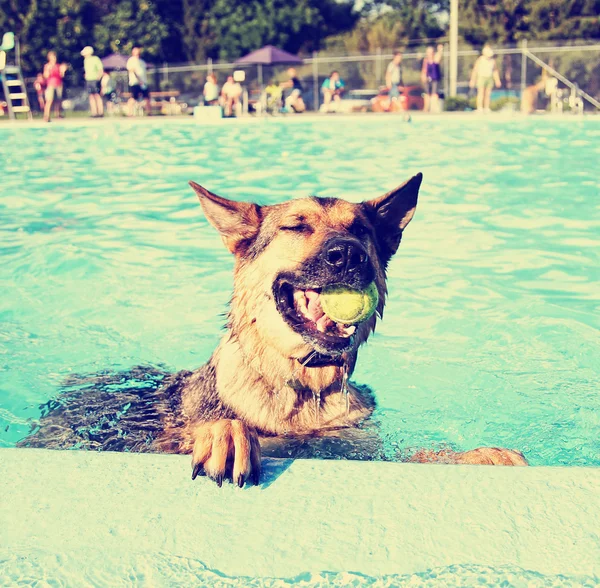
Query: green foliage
226	30
132	23
459	103
508	21
462	103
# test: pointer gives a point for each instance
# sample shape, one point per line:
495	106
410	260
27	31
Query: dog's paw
479	456
226	449
491	456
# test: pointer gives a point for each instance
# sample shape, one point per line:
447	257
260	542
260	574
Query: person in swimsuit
53	74
484	75
431	77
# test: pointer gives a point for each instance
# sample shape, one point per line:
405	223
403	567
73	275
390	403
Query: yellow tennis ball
349	306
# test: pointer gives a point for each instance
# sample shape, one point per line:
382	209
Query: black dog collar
313	360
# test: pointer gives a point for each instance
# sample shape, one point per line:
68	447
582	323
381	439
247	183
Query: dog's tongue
308	303
314	310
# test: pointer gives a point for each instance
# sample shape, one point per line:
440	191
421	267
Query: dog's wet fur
273	384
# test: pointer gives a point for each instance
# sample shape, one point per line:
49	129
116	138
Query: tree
493	21
225	30
131	23
571	19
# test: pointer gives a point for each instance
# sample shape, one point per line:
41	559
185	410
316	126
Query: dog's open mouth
301	308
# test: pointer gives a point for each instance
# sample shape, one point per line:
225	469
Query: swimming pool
490	334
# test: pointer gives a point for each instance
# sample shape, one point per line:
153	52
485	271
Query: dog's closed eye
297	228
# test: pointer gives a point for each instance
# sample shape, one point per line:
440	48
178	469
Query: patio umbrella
269	55
114	61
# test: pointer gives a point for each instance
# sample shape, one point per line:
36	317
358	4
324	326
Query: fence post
446	70
315	74
453	46
378	68
523	65
166	76
209	65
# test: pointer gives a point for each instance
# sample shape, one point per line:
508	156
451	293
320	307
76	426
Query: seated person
211	91
108	92
293	101
231	95
333	88
273	95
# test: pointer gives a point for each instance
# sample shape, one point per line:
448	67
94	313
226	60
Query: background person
273	97
210	92
484	75
53	74
333	87
231	94
93	72
138	81
293	100
393	79
108	92
40	89
431	77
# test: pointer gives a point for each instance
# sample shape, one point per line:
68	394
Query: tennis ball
347	305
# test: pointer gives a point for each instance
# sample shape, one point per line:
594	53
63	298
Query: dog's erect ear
238	222
391	213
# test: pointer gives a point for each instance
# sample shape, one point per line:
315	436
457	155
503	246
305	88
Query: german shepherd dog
279	377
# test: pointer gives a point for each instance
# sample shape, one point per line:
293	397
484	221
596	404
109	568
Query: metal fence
574	63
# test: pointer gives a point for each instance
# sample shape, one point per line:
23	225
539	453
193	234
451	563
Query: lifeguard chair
13	86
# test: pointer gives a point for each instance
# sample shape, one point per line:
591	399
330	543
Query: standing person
211	90
40	90
484	75
431	77
293	100
138	81
393	81
93	72
53	74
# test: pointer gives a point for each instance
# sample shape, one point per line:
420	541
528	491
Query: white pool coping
343	118
308	515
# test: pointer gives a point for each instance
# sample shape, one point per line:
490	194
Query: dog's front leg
227	448
479	456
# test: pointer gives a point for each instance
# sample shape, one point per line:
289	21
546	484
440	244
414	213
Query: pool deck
366	517
416	116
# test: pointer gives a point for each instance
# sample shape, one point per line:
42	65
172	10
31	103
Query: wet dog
279	377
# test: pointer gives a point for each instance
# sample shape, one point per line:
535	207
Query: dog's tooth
323	323
311	295
349	331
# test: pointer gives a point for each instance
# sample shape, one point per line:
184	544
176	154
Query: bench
167	94
164	102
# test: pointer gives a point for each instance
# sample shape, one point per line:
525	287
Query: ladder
15	92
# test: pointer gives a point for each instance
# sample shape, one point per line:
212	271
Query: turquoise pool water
490	335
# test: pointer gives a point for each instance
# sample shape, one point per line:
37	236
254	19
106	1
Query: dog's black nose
345	256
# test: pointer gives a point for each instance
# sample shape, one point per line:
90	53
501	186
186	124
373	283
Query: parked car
411	98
